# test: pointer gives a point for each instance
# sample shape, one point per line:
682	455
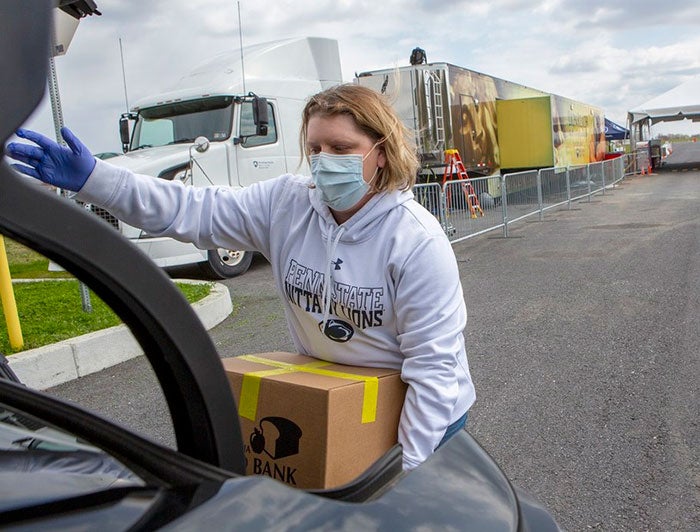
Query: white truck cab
215	128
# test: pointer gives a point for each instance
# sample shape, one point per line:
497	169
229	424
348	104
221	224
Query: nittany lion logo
337	330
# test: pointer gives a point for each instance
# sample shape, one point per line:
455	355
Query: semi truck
233	120
496	125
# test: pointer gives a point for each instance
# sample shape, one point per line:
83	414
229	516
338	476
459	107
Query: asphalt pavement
584	345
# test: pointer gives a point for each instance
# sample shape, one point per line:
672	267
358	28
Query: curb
55	364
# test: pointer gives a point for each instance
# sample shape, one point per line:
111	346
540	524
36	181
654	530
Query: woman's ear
381	156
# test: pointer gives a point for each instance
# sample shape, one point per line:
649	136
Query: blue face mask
339	179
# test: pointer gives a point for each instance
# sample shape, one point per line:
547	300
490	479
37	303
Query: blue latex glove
52	163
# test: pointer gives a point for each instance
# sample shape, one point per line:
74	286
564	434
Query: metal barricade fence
430	196
618	165
521	196
596	175
512	197
580	184
608	173
556	186
460	220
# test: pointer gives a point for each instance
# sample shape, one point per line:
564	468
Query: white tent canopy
679	103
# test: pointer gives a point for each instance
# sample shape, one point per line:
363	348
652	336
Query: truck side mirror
201	144
124	131
260	117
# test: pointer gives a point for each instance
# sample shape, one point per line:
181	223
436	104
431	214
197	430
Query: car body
65	468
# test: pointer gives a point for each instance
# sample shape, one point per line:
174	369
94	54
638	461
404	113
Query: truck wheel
225	263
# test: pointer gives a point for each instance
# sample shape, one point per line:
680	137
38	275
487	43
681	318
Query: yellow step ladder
454	165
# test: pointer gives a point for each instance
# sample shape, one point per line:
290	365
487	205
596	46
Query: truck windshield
182	122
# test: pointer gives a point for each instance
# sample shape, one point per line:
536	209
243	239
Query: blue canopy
614	131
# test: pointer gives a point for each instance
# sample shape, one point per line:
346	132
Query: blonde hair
376	118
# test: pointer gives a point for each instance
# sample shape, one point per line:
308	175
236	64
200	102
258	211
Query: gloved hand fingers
24	152
37	138
27	170
73	142
52	163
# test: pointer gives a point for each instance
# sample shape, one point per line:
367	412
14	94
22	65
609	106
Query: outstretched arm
46	160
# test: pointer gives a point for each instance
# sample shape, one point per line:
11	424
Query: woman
366	275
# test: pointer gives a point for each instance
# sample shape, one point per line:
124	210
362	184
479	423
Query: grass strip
51	311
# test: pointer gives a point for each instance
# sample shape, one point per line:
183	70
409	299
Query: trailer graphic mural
498	126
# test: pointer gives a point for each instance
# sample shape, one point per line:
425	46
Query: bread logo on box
277	437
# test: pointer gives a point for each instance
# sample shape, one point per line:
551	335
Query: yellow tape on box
250	388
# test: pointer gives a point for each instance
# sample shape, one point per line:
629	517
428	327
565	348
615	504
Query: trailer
496	125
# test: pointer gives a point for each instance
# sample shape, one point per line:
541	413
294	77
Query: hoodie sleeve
208	217
431	316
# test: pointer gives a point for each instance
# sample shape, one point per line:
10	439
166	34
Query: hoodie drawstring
331	246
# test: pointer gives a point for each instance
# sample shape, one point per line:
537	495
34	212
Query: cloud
637	15
612	54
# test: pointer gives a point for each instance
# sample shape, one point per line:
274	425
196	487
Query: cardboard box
311	423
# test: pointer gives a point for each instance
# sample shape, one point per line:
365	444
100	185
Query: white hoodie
395	298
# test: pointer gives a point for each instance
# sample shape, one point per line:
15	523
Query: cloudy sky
613	54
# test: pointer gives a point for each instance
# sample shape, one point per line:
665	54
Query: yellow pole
9	306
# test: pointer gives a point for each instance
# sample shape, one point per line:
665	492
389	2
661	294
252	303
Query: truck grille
106	216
